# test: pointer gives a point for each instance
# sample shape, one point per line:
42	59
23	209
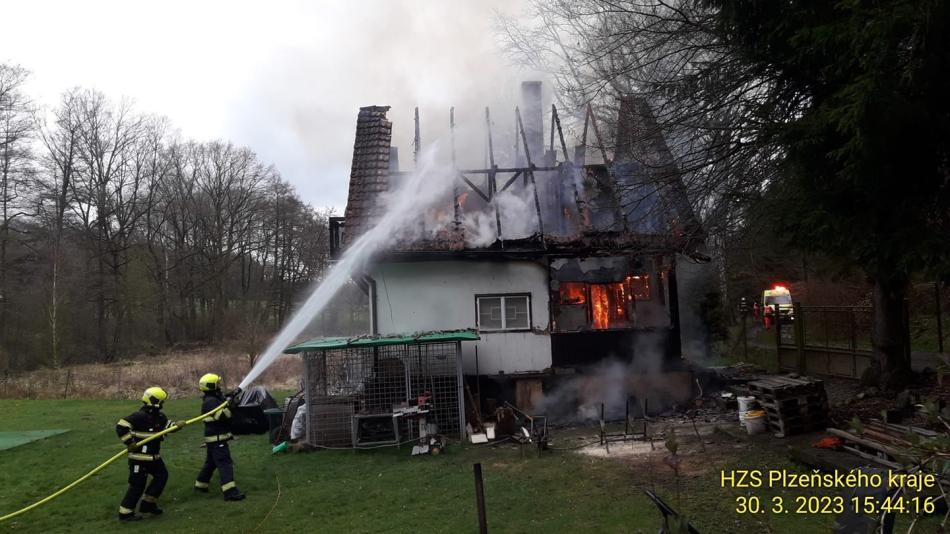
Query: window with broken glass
500	313
600	306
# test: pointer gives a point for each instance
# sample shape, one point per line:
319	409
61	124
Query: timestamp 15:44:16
834	504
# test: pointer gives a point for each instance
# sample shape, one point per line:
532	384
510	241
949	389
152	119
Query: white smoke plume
517	217
417	193
643	380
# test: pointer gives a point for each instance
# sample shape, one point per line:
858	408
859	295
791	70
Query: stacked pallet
793	405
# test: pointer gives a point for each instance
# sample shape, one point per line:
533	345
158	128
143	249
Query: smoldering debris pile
624	408
614	389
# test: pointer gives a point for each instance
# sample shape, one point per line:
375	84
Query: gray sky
285	78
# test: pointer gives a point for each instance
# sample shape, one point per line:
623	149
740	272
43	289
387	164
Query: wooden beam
492	186
511	181
416	140
560	133
474	187
456	209
527	157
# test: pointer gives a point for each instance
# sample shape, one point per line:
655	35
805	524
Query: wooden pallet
780	387
792	405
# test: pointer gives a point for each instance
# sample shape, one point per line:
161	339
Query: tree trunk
889	333
101	343
54	308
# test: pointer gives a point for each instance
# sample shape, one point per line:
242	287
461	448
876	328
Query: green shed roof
328	343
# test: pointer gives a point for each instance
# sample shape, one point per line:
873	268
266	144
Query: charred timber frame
492	172
566	169
529	175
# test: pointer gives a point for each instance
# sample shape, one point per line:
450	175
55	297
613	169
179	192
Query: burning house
559	264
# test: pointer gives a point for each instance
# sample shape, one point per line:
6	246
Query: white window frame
504	319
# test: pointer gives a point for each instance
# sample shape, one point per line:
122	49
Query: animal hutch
375	391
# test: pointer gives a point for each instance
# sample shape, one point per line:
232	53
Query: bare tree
711	107
108	198
136	239
16	167
61	163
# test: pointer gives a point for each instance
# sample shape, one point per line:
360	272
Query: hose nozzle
234	393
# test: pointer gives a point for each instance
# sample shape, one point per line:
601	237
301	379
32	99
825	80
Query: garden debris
794	405
829	443
883	443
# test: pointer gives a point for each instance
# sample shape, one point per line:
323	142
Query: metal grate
370	396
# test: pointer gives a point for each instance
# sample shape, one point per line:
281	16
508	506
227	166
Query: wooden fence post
799	316
939	317
906	333
480	499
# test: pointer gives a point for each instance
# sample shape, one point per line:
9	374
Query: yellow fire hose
104	464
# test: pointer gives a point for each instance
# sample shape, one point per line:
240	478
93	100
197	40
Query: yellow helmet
209	382
154	396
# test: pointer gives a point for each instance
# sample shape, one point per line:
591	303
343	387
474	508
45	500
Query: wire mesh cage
370	396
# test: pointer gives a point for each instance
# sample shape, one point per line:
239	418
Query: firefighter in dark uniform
217	436
144	460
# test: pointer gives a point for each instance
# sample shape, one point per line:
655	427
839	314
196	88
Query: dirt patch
623	450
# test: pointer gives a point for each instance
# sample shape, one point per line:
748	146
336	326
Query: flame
608	305
600	306
460	201
568	216
573	293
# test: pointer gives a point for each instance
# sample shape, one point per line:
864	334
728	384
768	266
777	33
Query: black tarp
248	417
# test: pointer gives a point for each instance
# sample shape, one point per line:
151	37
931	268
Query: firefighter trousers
217	456
139	472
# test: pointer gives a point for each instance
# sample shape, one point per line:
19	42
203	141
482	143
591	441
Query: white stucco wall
440	295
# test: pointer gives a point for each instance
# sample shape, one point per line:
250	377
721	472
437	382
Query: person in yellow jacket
144	460
217	436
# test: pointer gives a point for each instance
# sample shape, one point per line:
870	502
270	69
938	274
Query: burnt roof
637	203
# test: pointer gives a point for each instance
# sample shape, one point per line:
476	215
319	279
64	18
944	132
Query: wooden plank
528	394
866	456
863	442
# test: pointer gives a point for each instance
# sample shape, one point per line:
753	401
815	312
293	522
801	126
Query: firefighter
217	436
768	316
144	460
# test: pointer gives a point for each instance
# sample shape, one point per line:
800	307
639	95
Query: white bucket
754	421
745	403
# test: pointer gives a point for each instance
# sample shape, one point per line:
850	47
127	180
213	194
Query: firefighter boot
150	507
234	494
129	517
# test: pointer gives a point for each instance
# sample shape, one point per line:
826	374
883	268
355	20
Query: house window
639	286
503	312
600	306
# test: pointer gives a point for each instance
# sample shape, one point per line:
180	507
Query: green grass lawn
384	490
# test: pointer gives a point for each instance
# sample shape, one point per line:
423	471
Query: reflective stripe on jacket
217	426
142	424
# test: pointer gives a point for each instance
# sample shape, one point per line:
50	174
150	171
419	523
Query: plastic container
754	421
280	448
745	403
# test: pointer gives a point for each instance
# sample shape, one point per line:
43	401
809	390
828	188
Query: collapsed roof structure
632	202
